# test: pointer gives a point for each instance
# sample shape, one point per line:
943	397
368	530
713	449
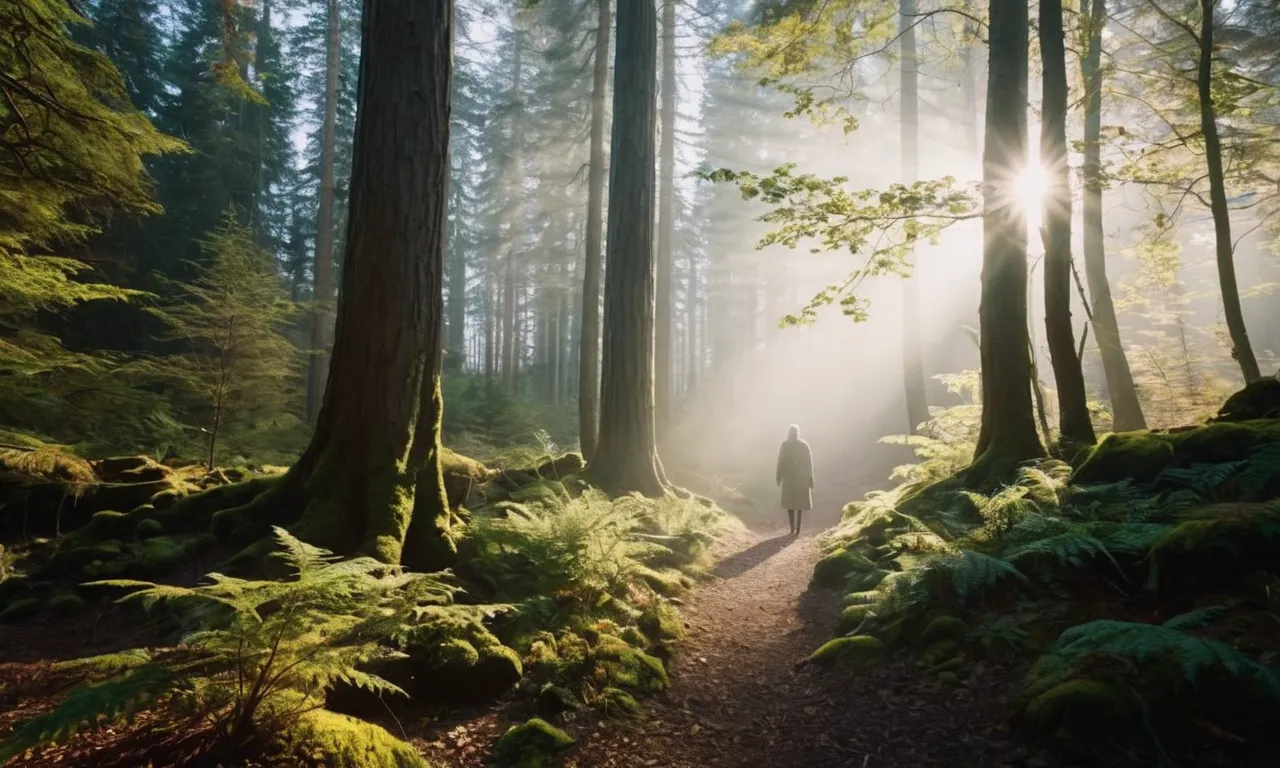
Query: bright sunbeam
1030	188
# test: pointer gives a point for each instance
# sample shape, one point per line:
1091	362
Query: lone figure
795	475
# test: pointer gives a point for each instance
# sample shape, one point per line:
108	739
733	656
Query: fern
258	654
1146	642
1261	469
1204	480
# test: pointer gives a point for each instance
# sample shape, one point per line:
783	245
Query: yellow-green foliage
48	464
533	744
324	738
857	651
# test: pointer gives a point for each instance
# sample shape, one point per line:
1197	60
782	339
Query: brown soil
741	695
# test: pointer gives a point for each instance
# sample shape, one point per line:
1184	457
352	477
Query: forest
404	383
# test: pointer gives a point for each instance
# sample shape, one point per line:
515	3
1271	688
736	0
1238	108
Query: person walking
795	476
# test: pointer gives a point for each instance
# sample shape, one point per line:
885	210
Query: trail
737	698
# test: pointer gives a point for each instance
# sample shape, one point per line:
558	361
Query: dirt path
738	700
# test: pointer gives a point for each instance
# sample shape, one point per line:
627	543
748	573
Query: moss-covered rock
109	524
856	652
1260	399
667	582
865	581
836	568
533	744
323	738
1139	456
66	604
661	621
21	610
148	528
615	702
944	628
948	678
553	699
851	617
1080	708
939	651
621	665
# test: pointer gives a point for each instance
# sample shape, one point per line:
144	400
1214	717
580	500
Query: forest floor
740	695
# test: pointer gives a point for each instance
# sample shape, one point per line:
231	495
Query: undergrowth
1148	597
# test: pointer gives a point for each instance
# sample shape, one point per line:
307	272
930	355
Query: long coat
795	474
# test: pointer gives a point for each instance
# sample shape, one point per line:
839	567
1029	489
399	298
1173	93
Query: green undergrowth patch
1139	589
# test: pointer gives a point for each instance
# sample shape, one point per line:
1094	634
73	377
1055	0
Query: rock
948	678
865	581
1083	708
856	652
615	702
851	617
553	700
661	622
21	610
837	567
148	528
1259	399
531	745
627	667
66	604
938	652
1139	456
944	628
323	738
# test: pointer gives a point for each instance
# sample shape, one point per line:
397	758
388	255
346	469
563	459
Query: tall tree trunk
456	309
912	359
1008	433
1074	424
370	481
322	314
626	456
692	304
666	220
589	336
515	219
1125	408
1241	348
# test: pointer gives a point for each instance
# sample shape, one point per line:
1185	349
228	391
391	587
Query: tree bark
1125	407
370	480
1241	348
666	222
1008	433
1074	424
912	359
589	337
626	457
514	219
322	314
455	346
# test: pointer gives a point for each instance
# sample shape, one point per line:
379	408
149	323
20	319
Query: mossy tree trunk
589	337
1074	423
370	481
1008	433
1126	410
912	358
1241	348
322	314
626	456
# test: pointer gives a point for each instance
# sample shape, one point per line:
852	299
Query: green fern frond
1261	469
1204	480
1146	642
1197	619
299	555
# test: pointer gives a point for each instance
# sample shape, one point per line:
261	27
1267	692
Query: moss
623	666
856	652
668	582
21	610
110	525
615	702
166	498
851	617
948	678
1139	456
196	512
157	556
865	581
532	744
456	651
944	628
1260	399
1224	442
836	568
939	651
540	493
69	562
661	621
553	699
66	604
324	738
634	636
148	528
1083	708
